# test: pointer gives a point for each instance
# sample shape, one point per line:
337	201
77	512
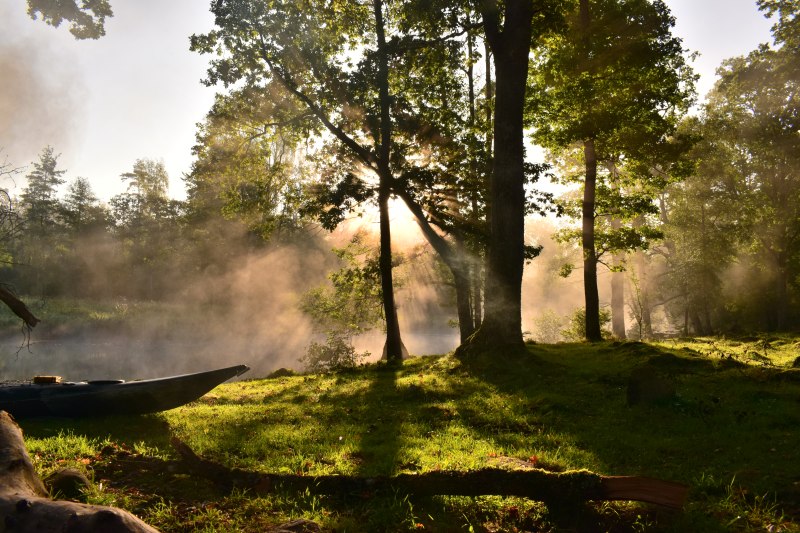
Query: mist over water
247	313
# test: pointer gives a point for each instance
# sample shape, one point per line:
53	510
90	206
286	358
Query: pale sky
136	92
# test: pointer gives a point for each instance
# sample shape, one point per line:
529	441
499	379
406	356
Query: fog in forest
249	312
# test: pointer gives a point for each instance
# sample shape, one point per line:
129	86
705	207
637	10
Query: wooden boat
110	397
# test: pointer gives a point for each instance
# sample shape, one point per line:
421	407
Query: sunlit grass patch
562	408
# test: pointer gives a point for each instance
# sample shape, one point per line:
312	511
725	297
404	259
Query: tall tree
148	225
310	52
39	197
82	209
41	210
614	81
509	32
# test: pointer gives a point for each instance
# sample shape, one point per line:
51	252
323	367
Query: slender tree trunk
455	257
644	296
617	271
502	325
394	345
781	291
479	267
618	299
591	295
466	326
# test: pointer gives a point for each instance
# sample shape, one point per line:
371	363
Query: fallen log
18	307
25	505
560	488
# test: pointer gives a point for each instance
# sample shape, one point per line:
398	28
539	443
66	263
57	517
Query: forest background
699	228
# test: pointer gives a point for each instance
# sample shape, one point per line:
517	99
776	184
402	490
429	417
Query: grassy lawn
732	432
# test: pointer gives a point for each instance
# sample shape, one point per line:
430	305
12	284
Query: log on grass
25	505
557	488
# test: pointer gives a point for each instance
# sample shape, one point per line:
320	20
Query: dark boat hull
111	398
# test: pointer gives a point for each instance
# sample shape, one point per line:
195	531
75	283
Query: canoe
110	397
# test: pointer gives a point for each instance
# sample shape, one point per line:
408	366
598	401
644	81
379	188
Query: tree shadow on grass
728	421
150	430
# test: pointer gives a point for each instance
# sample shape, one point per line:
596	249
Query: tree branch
365	155
18	307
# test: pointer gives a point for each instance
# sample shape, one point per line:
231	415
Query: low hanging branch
567	488
18	307
25	506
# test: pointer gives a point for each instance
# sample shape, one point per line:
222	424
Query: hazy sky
136	92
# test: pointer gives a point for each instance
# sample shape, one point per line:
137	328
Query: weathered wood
550	487
644	489
25	506
18	307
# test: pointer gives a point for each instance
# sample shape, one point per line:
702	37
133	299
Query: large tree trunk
592	298
501	329
394	345
26	507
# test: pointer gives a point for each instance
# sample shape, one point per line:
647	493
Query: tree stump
25	506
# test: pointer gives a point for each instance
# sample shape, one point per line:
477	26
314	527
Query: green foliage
81	209
576	329
38	199
548	327
350	306
148	179
739	208
250	161
337	353
86	18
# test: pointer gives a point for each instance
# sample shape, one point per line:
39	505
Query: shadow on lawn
381	421
729	422
151	430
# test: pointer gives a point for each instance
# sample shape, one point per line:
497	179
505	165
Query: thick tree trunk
591	295
501	329
26	507
394	345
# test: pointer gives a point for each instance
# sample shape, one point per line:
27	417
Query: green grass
732	433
